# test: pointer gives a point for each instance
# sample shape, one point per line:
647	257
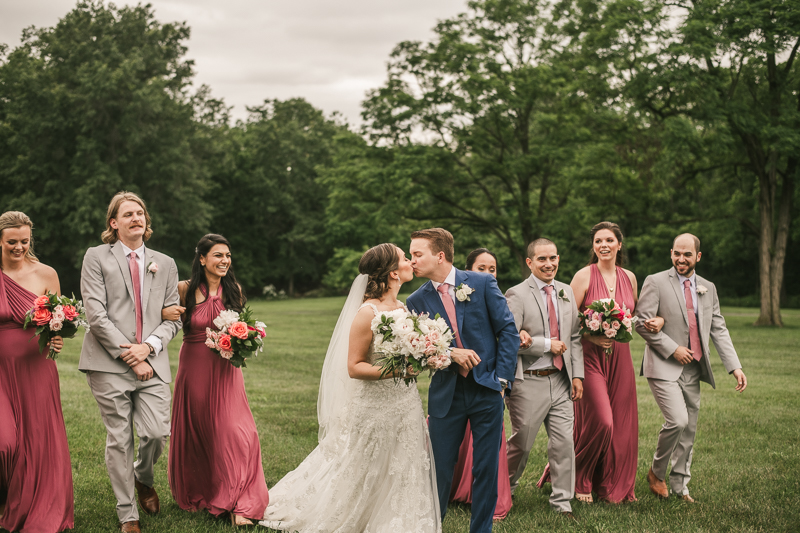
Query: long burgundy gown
214	454
607	417
35	469
461	490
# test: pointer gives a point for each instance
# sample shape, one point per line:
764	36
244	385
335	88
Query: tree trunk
765	203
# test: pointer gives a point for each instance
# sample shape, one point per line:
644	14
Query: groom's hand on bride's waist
465	358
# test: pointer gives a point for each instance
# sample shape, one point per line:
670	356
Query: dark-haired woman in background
214	453
481	260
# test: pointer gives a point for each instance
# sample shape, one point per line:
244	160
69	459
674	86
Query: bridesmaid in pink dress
35	470
481	260
606	422
215	454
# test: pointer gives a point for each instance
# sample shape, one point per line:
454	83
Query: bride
373	470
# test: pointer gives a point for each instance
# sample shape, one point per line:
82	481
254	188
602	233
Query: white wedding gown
372	471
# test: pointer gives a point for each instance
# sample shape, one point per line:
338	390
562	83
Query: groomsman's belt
541	373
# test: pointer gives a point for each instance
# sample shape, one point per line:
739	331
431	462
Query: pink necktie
558	361
450	309
137	294
694	337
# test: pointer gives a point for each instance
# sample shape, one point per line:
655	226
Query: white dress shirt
546	361
152	340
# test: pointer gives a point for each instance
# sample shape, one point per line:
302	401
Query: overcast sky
326	51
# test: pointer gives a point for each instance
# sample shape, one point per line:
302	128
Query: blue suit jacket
485	325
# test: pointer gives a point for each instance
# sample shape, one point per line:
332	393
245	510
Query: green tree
97	104
486	119
267	198
728	66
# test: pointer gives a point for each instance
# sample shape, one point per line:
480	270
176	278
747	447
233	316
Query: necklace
609	287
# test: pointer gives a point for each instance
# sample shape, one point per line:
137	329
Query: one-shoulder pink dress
607	417
214	454
35	469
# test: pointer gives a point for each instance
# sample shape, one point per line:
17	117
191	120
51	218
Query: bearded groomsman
124	287
549	374
676	359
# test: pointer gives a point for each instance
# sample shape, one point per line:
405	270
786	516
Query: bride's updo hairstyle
613	228
377	263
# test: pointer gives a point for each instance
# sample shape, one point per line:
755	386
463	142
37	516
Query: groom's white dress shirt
152	340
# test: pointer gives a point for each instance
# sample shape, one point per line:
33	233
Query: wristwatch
152	350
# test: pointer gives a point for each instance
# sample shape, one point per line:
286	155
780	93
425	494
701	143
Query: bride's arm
358	364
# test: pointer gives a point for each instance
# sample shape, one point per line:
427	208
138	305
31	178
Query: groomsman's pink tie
558	361
450	309
137	294
694	336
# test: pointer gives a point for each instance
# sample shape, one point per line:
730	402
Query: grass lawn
746	471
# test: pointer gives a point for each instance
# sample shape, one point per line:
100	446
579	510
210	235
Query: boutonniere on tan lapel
702	289
463	291
152	267
563	295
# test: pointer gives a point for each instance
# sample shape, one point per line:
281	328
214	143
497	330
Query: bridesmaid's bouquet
55	316
606	318
404	339
238	336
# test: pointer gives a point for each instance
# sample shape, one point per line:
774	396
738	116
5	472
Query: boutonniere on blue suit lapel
152	268
463	291
701	290
562	295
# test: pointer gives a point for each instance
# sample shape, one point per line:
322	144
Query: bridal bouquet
404	339
606	318
238	336
55	316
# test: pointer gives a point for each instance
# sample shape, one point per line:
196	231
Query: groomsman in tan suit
124	286
549	375
676	359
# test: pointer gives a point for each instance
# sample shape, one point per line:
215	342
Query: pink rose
42	316
594	324
615	326
70	313
606	326
55	325
627	323
225	354
224	343
41	302
238	330
611	333
152	268
210	343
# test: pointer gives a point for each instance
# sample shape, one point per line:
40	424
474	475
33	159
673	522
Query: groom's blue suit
486	326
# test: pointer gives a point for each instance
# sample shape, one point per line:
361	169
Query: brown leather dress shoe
148	499
657	486
130	527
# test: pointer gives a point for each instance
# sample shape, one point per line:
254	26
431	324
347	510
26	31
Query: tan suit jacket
107	292
662	295
528	306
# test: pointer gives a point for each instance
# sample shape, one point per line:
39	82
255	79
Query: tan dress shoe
130	527
686	498
657	486
148	499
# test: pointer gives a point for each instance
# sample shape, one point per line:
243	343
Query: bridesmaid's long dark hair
613	228
232	295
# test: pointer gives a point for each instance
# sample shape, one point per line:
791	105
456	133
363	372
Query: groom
124	287
484	360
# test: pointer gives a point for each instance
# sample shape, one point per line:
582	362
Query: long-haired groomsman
676	359
125	285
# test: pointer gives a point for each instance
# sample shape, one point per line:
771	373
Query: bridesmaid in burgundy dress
606	422
481	260
35	470
214	454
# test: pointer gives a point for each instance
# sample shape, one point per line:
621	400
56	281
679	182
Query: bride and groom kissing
378	466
